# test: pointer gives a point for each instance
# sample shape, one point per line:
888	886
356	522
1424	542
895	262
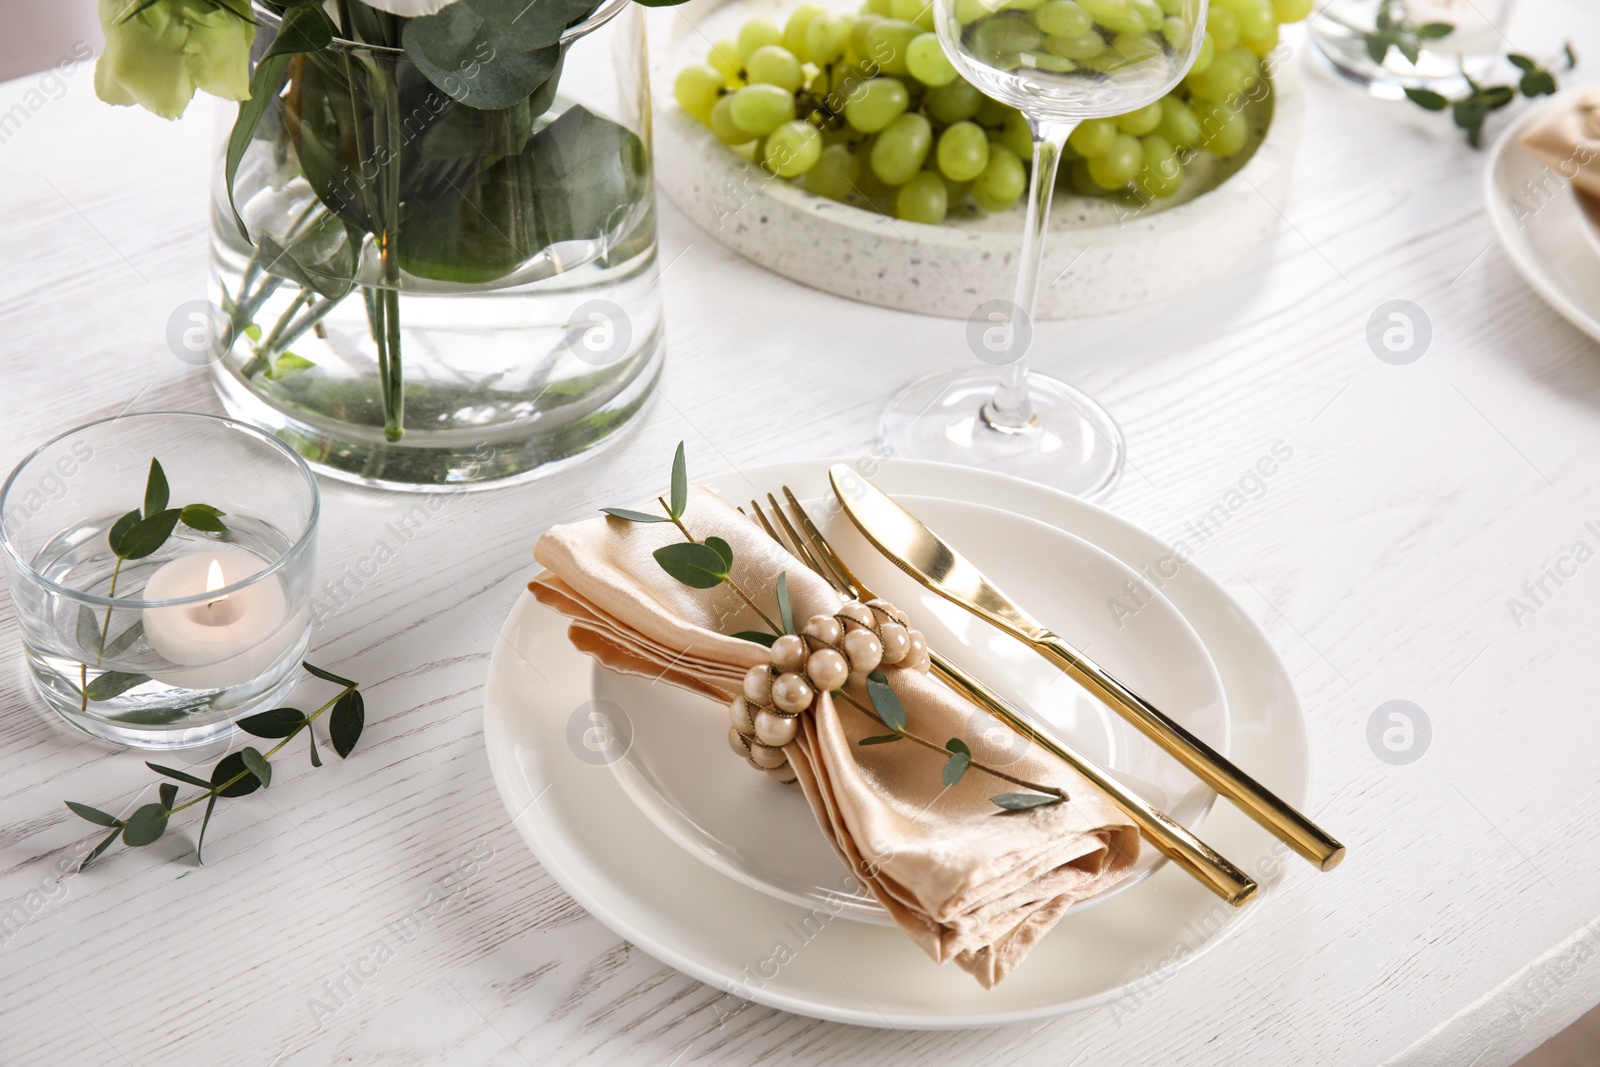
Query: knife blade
922	554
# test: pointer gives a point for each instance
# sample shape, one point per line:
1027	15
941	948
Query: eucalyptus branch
236	774
732	584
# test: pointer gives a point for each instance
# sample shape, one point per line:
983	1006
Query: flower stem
774	627
105	628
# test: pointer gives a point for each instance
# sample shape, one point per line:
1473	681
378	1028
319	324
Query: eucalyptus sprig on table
708	563
238	773
136	535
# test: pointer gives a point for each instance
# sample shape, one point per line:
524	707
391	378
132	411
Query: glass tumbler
157	607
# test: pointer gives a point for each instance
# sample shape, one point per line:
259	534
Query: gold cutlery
918	551
1168	837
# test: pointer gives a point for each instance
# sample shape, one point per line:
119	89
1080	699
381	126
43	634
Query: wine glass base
1071	444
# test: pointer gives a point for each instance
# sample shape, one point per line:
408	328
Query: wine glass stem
1010	409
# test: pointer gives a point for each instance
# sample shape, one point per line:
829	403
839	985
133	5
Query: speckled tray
1101	256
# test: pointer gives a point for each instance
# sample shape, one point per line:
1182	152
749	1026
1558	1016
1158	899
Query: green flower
159	53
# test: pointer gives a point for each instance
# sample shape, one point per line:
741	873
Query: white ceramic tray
1099	258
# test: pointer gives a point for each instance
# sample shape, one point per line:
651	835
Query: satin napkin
1568	141
967	882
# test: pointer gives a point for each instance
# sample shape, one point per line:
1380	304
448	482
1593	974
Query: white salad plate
1542	225
594	840
678	770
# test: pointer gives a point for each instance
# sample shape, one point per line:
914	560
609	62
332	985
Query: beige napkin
1568	141
966	882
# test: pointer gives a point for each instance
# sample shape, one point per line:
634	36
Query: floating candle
227	640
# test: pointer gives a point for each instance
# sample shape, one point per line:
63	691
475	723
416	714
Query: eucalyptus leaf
785	609
156	491
634	516
257	764
115	683
149	534
1433	31
169	794
268	72
1427	98
694	565
722	549
202	517
285	364
881	739
94	815
756	636
680	483
885	702
104	844
316	759
955	767
88	631
1025	801
227	769
489	54
151	716
120	528
1409	47
327	676
123	641
145	825
346	721
320	257
182	776
278	722
200	842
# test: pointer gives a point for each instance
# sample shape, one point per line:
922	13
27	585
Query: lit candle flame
214	580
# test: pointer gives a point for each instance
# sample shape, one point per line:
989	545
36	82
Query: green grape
696	89
1053	64
1172	7
1248	62
954	102
722	124
1141	122
794	31
881	8
1222	24
1205	56
1001	182
835	174
875	103
969	11
858	35
1291	10
1261	47
827	37
757	33
1079	49
869	184
760	109
1223	79
1062	18
1081	181
773	64
963	152
1179	124
1017	135
1225	131
956	192
1093	137
901	149
1175	31
991	112
1005	34
922	199
792	149
1161	175
1105	12
1021	5
908	10
1149	12
1132	49
926	61
724	58
1256	19
887	41
1117	166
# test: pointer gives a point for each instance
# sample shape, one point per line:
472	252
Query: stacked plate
626	792
1550	230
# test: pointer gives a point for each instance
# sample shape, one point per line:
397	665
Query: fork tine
761	517
824	551
801	549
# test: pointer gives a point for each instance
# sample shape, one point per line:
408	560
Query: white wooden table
1462	930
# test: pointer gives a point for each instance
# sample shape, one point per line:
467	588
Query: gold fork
1172	840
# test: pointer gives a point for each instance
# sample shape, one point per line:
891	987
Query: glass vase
435	295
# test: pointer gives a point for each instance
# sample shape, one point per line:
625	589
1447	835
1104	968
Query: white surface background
1380	558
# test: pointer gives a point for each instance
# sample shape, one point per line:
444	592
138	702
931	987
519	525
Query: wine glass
1059	62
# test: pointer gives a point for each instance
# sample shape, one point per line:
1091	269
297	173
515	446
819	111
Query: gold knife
918	551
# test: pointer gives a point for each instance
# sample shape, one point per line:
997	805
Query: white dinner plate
597	845
1540	223
679	771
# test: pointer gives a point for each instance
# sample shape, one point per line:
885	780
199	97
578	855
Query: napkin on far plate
1568	140
965	881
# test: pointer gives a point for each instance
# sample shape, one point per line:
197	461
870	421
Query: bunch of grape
867	109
